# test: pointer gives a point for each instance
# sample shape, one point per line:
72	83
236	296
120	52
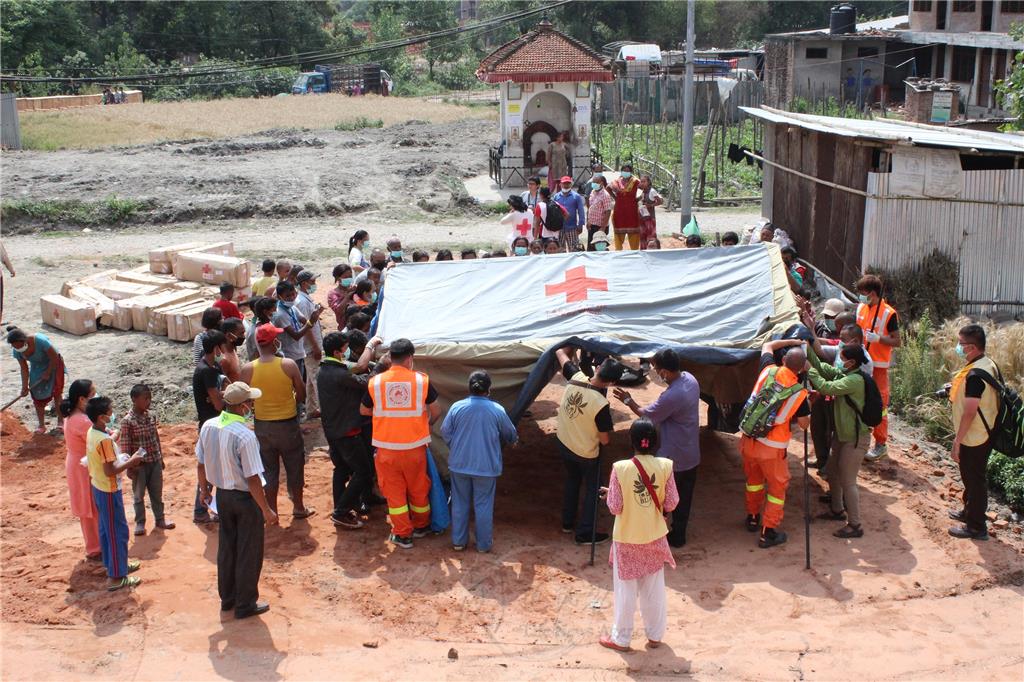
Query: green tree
1011	90
429	16
387	26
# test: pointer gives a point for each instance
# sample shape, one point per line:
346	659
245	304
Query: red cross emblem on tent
576	286
523	227
206	271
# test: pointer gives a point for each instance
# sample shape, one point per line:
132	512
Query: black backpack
1007	434
556	217
872	413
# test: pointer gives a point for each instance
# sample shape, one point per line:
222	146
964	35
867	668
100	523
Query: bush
108	211
918	371
359	123
1004	344
930	285
1006	477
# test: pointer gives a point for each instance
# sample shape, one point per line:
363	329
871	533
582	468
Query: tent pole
597	492
807	507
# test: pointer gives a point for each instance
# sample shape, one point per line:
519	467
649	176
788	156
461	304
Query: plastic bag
691	229
440	516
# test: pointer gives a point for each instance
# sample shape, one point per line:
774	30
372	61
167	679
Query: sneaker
771	537
404	543
877	452
254	610
421	532
599	539
965	533
960	516
459	548
568	529
140	529
347	520
753	522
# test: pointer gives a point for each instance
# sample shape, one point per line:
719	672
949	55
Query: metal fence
983	230
658	99
10	131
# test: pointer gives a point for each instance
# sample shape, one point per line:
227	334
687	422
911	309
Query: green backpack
758	415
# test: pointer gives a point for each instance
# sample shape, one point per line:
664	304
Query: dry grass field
123	125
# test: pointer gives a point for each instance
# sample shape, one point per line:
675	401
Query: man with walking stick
584	425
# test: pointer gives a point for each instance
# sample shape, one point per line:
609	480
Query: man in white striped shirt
228	457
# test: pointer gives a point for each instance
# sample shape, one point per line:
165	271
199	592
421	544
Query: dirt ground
904	601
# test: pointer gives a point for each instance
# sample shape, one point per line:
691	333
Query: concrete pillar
978	75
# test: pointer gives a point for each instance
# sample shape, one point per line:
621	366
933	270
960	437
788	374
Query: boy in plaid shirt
138	430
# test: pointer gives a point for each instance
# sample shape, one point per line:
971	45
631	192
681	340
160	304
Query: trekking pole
807	506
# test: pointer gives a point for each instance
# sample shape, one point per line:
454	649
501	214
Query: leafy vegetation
1011	90
359	123
1006	477
929	286
108	211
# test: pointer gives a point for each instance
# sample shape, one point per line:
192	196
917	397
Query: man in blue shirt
567	198
475	429
676	413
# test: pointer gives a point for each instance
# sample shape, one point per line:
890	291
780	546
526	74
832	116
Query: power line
288	60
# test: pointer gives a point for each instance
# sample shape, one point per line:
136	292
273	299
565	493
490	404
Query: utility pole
686	182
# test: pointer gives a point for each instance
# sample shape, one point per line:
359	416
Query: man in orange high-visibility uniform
881	328
403	405
764	458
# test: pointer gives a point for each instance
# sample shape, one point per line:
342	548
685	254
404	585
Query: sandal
94	557
124	582
607	643
849	531
134	565
304	513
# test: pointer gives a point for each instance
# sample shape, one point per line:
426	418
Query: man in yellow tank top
277	424
975	408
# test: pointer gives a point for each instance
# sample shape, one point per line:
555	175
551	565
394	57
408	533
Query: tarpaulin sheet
716	306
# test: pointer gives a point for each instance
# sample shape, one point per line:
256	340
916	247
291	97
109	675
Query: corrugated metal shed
885	130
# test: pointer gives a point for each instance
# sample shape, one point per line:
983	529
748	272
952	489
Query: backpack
556	219
873	410
758	415
1007	434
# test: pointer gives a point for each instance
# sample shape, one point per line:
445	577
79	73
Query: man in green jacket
850	440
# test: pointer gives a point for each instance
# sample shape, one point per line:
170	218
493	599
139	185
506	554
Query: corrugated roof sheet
543	54
887	24
895	131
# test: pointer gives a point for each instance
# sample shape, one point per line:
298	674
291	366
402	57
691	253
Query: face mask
281	303
521	250
348	353
397	255
830	325
961	353
600	246
346	281
373	297
626	175
863	298
595	185
838	362
311	289
20	349
112	421
566	191
238	343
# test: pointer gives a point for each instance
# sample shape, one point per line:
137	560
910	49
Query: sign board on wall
920	172
942	105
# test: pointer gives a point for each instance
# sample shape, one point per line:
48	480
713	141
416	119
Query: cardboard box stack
150	298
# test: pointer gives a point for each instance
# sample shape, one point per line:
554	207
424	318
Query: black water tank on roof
843	19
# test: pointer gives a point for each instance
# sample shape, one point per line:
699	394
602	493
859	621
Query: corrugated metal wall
987	239
10	131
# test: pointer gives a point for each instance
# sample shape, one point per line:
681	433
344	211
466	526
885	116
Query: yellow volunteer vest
576	427
976	434
640	521
400	418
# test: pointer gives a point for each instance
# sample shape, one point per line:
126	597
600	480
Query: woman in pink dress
76	428
641	491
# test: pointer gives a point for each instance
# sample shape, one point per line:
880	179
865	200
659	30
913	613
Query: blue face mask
595	185
281	303
373	297
346	281
397	255
863	298
838	362
600	246
521	250
312	289
961	353
348	353
626	174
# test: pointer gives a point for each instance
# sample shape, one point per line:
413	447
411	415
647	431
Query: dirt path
905	601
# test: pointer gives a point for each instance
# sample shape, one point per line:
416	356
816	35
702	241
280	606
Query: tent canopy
716	306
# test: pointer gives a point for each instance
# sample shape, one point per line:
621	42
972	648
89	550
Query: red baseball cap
565	178
266	333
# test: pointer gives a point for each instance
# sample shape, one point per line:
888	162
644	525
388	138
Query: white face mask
20	349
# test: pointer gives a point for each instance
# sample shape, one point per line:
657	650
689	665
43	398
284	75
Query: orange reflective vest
780	434
400	419
881	354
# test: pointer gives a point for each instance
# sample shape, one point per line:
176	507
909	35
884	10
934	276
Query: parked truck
350	79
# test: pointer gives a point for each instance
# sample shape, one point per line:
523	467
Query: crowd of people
264	366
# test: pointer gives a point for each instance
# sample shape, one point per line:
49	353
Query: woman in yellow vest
641	491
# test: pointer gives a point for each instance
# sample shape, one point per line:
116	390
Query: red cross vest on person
880	353
400	419
779	435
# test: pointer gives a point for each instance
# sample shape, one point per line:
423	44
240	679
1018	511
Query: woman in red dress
626	214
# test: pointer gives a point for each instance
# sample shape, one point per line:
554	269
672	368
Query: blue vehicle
351	79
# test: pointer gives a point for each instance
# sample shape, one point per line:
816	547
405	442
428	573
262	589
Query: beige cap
238	392
833	307
599	236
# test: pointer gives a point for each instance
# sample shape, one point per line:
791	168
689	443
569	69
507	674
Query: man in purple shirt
676	412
